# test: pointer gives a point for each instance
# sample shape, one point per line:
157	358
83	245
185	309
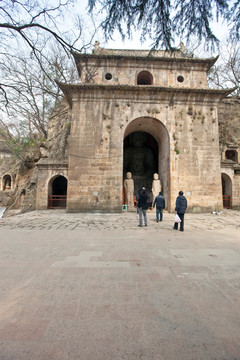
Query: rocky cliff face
23	174
56	146
22	194
229	122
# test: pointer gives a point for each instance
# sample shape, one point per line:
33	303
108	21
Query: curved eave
70	89
209	62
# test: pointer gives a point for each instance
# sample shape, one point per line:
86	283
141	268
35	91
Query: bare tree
32	96
27	20
226	72
26	25
29	91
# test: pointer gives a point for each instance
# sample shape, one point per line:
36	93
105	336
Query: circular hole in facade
108	76
180	78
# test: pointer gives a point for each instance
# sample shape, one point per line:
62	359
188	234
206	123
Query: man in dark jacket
180	209
143	206
160	205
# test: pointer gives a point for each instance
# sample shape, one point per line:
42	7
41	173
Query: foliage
17	145
162	20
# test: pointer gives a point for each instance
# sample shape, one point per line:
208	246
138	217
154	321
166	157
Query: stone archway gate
102	109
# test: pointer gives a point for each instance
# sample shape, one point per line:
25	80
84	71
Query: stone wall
54	160
101	118
124	71
229	137
48	169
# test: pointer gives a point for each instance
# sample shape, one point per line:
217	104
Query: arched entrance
226	191
144	78
57	192
146	151
7	182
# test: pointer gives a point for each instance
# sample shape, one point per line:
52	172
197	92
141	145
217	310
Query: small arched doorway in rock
57	192
7	182
226	191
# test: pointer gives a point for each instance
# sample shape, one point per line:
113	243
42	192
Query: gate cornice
143	93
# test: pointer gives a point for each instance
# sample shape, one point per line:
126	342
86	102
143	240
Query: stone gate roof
175	55
146	55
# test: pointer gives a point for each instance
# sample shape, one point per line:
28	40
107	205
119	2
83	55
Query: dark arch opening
7	182
144	78
59	186
57	193
156	131
231	155
226	191
140	159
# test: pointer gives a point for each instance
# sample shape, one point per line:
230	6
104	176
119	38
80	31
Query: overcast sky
81	8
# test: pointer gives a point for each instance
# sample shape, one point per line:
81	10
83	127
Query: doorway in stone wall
140	159
226	191
57	192
146	151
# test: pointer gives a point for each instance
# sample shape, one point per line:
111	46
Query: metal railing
57	201
226	201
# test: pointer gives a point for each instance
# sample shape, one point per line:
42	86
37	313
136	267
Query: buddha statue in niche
129	189
7	185
156	186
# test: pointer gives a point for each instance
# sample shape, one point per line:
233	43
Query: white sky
81	8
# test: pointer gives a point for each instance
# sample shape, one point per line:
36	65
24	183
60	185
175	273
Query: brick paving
97	287
59	219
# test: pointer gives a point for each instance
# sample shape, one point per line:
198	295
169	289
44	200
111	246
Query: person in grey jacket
160	205
180	209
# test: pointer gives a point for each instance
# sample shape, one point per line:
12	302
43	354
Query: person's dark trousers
159	211
181	223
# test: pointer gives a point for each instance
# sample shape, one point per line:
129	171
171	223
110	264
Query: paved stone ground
59	220
97	287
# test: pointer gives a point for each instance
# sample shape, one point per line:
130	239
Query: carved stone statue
156	186
7	185
182	47
129	189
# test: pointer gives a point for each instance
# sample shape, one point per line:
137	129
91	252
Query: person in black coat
143	203
137	198
160	205
180	209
